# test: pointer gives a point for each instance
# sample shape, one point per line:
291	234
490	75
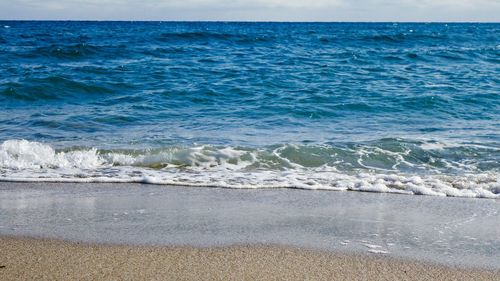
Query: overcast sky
254	10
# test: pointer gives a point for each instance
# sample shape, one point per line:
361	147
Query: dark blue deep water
406	108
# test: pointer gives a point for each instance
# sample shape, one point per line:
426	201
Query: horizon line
244	21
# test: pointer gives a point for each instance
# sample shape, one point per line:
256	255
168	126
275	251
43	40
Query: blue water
386	107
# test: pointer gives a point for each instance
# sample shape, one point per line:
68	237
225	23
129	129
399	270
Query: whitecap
226	167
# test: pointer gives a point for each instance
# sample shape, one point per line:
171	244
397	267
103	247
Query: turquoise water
384	107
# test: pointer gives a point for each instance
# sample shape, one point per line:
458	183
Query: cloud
451	4
271	4
189	4
302	10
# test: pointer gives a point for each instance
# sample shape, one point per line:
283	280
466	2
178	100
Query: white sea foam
22	154
433	146
21	160
372	246
373	251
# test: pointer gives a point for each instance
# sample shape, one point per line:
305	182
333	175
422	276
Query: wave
205	35
404	36
75	51
50	88
368	167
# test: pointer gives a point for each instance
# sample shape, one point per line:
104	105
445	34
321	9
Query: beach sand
146	232
33	259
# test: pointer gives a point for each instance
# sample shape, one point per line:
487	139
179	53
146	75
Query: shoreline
461	232
49	259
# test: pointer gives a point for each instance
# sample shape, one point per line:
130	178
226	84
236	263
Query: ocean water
380	107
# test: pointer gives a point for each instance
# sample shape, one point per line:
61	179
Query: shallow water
456	231
384	107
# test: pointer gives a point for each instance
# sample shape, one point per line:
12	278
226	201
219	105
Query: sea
406	108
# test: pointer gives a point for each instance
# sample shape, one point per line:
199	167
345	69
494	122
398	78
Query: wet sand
147	232
447	231
31	259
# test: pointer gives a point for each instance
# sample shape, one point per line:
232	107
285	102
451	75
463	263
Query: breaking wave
387	165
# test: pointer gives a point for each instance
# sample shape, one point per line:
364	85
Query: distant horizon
244	21
255	10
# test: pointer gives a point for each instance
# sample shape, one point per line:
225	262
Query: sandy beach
145	232
30	259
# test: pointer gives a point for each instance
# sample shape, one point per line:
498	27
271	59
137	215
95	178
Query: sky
254	10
